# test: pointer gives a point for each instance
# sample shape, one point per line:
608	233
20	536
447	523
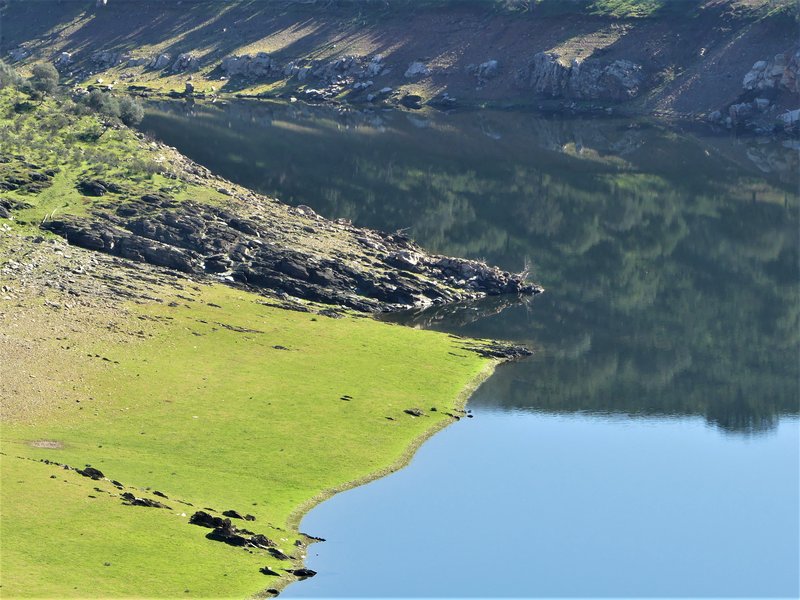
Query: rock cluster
590	79
105	59
484	71
781	71
416	69
260	65
762	85
389	273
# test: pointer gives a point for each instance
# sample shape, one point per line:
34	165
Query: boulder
227	533
161	61
136	501
591	79
278	554
779	72
302	573
740	112
63	60
91	473
260	65
261	541
184	62
545	74
19	53
105	59
487	70
203	519
91	188
416	69
375	66
790	120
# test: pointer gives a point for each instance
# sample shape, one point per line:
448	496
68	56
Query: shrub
130	111
9	77
44	78
103	102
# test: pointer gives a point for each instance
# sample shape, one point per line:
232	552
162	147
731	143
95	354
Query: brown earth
693	62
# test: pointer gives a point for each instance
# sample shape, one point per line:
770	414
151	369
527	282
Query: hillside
186	364
679	58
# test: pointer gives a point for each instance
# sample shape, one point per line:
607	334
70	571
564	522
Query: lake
650	448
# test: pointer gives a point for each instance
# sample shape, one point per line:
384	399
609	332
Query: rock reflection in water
669	257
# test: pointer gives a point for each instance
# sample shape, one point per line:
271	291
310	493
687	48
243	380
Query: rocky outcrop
780	72
160	62
184	62
260	65
389	273
591	79
105	59
761	106
416	69
484	71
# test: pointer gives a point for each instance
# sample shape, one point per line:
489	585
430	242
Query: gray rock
105	59
790	120
64	59
592	79
184	62
781	71
416	69
260	65
375	66
160	62
738	113
488	70
19	53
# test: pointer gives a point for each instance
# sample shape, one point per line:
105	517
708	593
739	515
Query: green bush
9	77
44	78
130	111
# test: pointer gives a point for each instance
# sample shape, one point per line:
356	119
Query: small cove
651	445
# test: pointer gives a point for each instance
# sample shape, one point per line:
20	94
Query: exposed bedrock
387	272
547	74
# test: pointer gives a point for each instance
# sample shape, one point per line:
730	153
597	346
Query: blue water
650	448
528	504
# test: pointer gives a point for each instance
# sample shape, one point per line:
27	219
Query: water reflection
670	258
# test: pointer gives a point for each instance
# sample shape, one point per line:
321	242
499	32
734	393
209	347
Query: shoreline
234	332
456	57
461	400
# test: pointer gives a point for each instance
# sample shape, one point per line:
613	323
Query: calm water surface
651	446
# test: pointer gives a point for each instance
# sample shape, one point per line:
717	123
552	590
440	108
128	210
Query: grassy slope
225	420
200	405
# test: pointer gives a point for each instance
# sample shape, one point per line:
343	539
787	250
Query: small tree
8	76
130	111
104	103
44	78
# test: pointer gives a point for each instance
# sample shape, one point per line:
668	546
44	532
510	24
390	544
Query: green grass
230	403
53	136
219	418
